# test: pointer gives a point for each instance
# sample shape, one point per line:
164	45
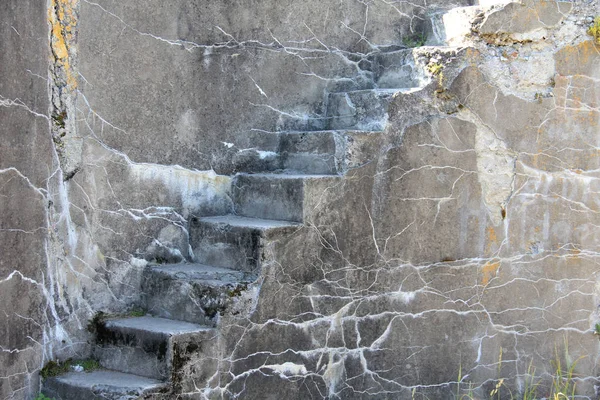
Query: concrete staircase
183	301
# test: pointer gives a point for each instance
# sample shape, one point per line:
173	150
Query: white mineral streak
288	369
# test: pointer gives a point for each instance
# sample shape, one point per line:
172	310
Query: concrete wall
26	166
470	237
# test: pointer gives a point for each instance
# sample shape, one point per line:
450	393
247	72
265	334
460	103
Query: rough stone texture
458	233
26	165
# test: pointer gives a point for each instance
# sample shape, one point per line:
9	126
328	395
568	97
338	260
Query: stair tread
288	175
326	131
247	222
202	272
109	380
157	325
378	90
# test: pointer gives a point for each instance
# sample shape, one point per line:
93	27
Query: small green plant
136	312
414	40
597	329
89	365
42	396
594	30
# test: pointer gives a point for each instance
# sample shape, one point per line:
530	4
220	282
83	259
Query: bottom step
99	385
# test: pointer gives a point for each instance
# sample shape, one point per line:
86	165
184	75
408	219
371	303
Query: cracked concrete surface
459	237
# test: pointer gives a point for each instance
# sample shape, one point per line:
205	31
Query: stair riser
145	354
268	198
224	246
257	161
312	153
396	70
189	301
132	360
236	247
60	391
359	110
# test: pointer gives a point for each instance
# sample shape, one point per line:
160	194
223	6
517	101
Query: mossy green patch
55	368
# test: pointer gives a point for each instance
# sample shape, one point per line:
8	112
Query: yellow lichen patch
63	21
489	271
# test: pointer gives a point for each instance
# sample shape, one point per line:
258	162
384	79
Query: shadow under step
143	345
100	385
233	241
191	292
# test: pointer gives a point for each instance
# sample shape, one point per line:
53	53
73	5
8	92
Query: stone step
272	196
233	241
316	152
100	385
365	110
143	345
256	160
397	69
191	292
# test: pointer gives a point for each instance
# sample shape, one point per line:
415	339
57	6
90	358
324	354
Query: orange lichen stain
473	57
489	271
62	19
579	55
492	238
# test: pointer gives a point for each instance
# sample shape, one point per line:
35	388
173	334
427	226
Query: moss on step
57	367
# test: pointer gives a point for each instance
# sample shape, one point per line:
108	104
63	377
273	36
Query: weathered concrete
455	233
26	166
